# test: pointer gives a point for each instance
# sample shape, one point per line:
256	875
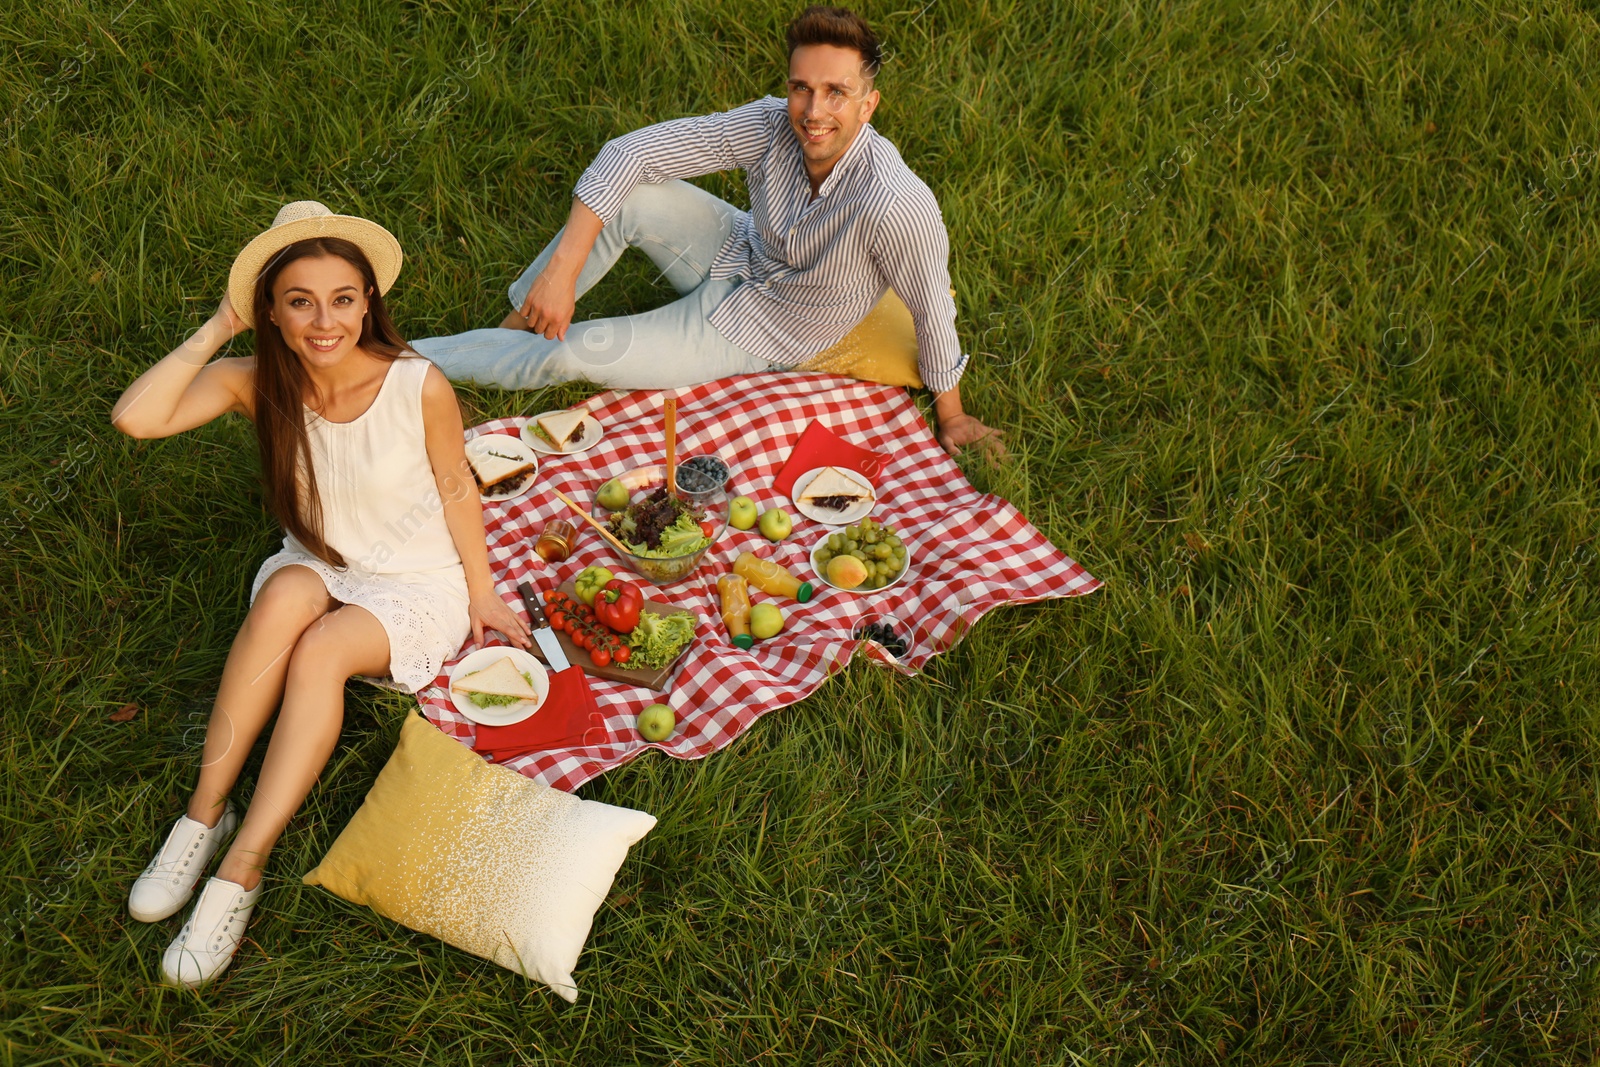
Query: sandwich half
836	490
564	428
497	685
497	466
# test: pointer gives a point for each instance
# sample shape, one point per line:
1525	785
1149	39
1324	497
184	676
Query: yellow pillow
481	857
880	348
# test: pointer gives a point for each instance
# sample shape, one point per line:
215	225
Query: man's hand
963	429
551	301
957	428
554	293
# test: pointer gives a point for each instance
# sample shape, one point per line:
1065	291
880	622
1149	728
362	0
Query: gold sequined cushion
881	348
481	857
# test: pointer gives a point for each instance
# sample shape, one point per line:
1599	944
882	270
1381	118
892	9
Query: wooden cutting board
645	679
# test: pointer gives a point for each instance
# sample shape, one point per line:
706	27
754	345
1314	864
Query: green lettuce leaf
679	539
658	639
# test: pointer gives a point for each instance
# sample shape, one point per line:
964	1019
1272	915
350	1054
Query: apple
775	524
765	621
846	572
656	722
613	496
741	513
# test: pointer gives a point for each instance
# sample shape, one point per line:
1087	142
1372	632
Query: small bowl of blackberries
885	632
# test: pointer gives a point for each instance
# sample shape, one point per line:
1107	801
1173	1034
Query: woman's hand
228	318
487	611
223	326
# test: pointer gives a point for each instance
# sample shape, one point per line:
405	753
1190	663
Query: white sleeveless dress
382	512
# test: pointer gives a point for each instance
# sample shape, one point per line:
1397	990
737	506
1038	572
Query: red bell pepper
618	605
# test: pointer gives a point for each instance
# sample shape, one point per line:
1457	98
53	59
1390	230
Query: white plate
822	576
504	714
824	516
509	445
592	432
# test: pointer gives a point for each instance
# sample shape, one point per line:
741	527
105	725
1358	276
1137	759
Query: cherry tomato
558	621
623	654
552	595
708	527
600	657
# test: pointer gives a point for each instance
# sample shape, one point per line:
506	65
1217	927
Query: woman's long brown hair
282	385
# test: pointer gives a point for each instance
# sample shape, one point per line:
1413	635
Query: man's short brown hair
840	27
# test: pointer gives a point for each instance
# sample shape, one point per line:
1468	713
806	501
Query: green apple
775	524
656	722
613	496
766	621
741	513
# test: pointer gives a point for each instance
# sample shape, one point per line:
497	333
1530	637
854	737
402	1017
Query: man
836	217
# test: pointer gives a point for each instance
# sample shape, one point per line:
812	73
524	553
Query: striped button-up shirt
813	268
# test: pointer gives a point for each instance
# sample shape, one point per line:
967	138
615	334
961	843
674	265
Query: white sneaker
168	882
206	944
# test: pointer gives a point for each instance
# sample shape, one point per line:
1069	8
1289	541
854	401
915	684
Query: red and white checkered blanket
969	553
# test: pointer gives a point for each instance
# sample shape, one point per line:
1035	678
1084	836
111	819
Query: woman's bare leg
252	681
347	641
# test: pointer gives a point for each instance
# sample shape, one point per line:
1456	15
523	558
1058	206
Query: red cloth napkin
569	711
821	447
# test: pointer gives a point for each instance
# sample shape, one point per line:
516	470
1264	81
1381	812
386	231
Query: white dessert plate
507	445
503	714
825	516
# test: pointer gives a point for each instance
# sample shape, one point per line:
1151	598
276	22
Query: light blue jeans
681	228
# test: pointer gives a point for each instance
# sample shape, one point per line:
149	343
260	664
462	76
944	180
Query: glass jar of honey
555	541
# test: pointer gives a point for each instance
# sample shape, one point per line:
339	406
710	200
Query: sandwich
497	685
497	466
564	429
836	490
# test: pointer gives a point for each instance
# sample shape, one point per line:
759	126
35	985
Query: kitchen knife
540	627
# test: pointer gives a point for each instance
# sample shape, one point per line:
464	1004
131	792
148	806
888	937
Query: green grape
836	542
851	545
881	551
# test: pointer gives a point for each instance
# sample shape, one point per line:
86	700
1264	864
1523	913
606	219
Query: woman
384	567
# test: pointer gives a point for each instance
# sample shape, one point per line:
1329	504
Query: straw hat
299	221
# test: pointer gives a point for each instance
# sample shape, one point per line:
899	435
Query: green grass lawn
1289	311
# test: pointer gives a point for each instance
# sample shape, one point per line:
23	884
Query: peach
846	572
